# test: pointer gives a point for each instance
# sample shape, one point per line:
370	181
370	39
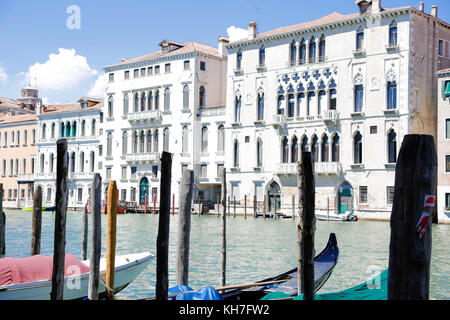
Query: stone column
317	49
306	51
297	56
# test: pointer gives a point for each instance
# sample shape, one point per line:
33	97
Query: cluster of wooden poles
409	251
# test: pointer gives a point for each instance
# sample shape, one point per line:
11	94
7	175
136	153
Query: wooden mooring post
184	227
59	246
162	242
36	224
96	237
229	206
111	239
265	206
414	201
306	226
234	207
84	233
255	214
245	206
293	207
224	229
2	225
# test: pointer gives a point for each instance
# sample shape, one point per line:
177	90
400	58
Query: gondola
324	264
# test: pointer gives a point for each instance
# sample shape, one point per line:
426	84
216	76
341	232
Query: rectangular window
259	191
187	65
127	75
108	173
359	98
203	65
373	129
447	128
111	77
167	68
49	194
393	36
124	173
136	73
441	47
133	172
183	167
133	195
155	171
80	195
390	194
447	164
143	72
123	194
235	192
359	41
157	69
149	71
363	194
220	167
392	96
447	201
204	171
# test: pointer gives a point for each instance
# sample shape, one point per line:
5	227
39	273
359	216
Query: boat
30	278
43	209
374	289
287	282
347	216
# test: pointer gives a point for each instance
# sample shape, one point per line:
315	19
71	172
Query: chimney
434	11
252	30
421	6
363	5
376	6
223	51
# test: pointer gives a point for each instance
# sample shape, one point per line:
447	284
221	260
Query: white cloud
235	33
3	75
63	70
98	89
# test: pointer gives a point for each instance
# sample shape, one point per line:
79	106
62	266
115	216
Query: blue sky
31	31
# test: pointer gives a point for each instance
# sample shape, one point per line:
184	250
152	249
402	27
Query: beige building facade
18	137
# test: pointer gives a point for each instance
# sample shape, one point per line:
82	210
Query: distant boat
30	278
43	209
347	216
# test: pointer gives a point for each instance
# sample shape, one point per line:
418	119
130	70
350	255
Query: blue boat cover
206	293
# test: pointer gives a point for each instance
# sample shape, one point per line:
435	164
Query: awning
447	89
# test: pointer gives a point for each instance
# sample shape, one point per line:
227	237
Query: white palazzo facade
171	100
347	88
80	125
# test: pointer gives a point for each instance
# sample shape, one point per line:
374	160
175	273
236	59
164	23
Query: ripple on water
256	249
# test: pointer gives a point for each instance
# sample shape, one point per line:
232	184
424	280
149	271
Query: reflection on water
256	249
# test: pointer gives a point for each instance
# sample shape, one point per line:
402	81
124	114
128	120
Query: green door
345	198
144	191
274	196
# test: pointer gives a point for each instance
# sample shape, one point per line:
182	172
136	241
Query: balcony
328	168
279	120
153	157
149	115
359	52
25	178
45	176
330	116
286	169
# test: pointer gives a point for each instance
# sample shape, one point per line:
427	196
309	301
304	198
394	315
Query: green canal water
256	249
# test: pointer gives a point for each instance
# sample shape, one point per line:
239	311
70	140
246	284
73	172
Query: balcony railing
286	169
25	177
45	176
330	116
145	115
143	157
279	120
328	168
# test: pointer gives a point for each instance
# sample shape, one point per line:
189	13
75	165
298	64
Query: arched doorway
144	191
274	196
345	198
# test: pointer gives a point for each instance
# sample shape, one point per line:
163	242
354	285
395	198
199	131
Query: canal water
256	249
